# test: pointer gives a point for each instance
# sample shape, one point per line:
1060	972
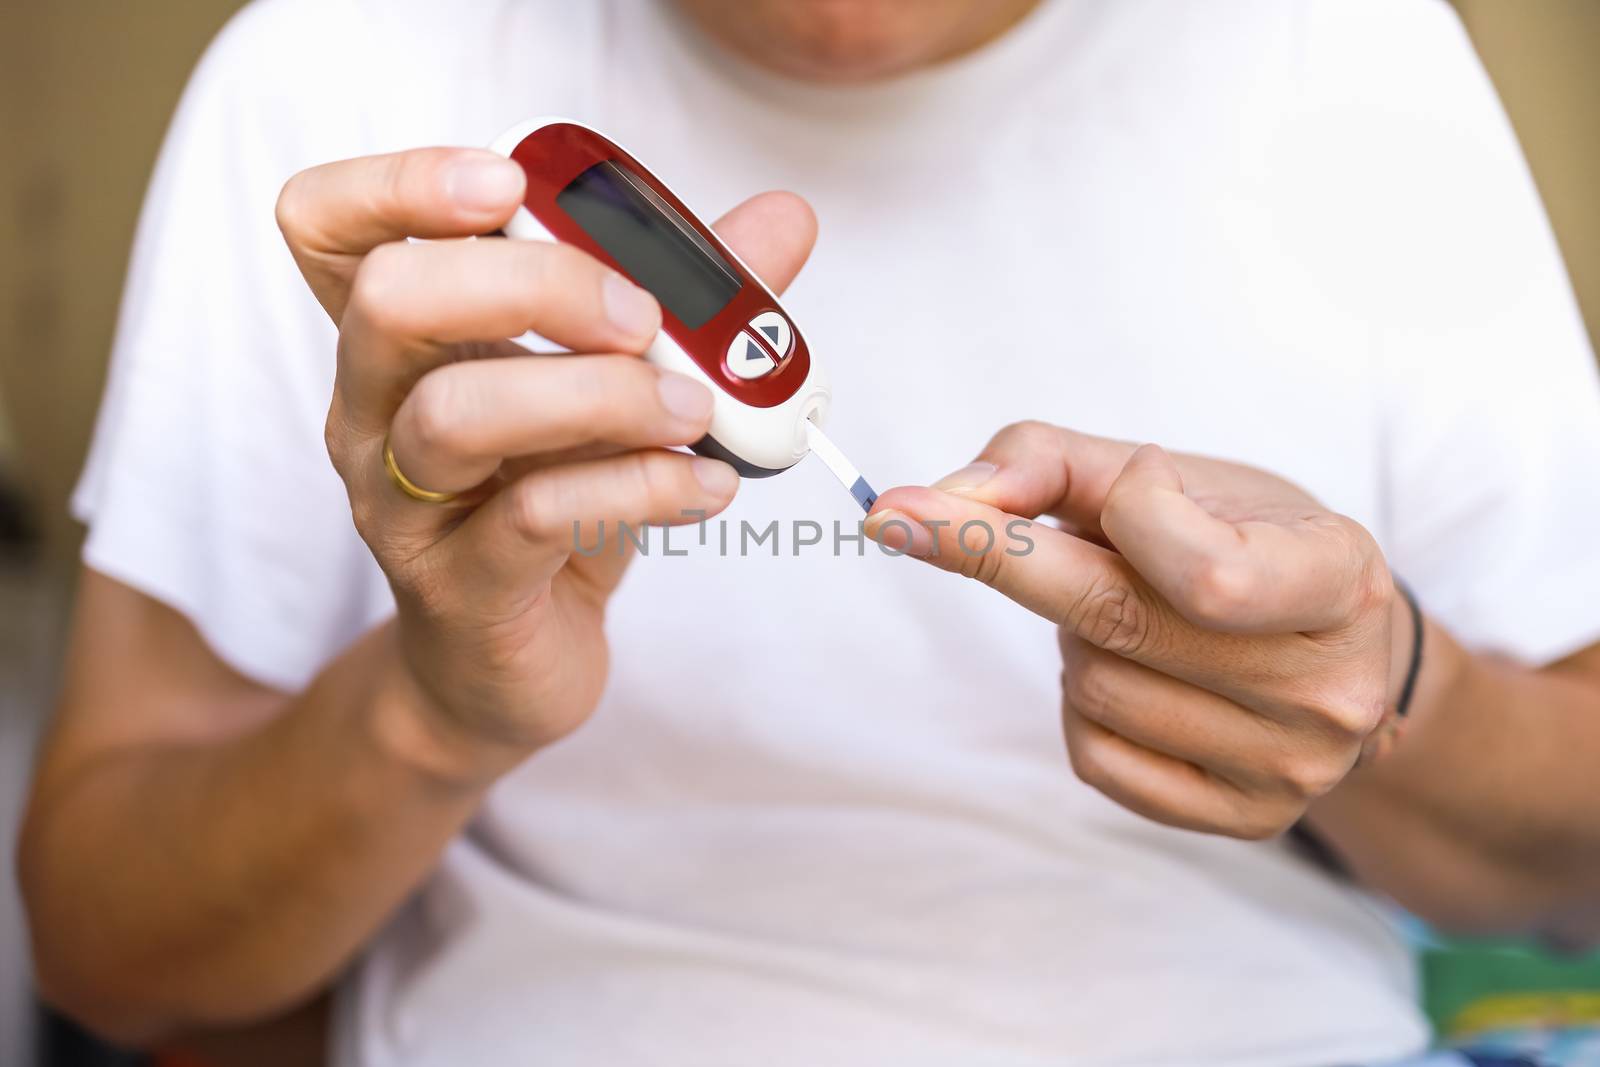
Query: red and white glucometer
720	324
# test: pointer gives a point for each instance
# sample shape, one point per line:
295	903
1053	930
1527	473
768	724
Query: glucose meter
721	325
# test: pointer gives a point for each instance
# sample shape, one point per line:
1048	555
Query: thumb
1166	535
1149	470
1034	468
1283	565
773	234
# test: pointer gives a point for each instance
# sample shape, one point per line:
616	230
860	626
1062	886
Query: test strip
841	467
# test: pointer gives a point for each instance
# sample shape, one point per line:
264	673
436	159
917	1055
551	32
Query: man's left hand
1228	641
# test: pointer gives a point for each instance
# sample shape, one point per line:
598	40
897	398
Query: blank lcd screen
652	242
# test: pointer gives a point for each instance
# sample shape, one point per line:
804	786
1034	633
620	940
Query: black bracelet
1408	690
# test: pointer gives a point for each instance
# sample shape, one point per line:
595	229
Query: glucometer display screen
652	242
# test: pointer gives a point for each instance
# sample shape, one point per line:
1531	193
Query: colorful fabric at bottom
1471	1058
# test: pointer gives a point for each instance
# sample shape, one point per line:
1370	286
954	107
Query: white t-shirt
823	815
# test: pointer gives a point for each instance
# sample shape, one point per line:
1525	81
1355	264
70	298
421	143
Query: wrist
1445	670
1406	639
1426	669
1407	647
412	729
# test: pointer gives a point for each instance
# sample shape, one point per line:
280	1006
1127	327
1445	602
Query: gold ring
406	485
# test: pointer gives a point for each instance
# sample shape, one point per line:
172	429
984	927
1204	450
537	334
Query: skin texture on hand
1226	640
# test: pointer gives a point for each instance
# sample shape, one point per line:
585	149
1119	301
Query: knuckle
1218	591
529	509
293	210
1371	587
604	390
1112	616
1088	766
546	273
438	413
394	174
336	439
534	265
647	484
1074	649
371	521
656	478
1261	822
377	290
640	379
1030	435
1374	590
560	262
1307	777
1351	712
1090	688
987	567
1256	816
365	516
290	210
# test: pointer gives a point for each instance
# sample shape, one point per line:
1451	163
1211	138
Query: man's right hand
499	622
290	826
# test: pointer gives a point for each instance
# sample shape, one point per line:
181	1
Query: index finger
1092	592
333	215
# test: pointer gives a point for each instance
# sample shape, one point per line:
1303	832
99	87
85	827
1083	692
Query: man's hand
1227	640
290	826
499	621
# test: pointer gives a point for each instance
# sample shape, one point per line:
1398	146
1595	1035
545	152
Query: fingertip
798	212
773	233
632	311
685	399
968	479
1149	452
910	499
900	533
715	477
483	183
1151	465
785	209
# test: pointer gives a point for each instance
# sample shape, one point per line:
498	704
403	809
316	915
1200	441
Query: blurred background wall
86	88
1544	56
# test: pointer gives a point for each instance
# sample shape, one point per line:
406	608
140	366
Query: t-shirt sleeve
1490	400
207	485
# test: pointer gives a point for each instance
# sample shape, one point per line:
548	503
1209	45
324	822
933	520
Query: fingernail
630	309
684	397
716	477
483	184
901	533
967	478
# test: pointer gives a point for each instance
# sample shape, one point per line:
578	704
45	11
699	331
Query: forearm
1485	815
176	885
